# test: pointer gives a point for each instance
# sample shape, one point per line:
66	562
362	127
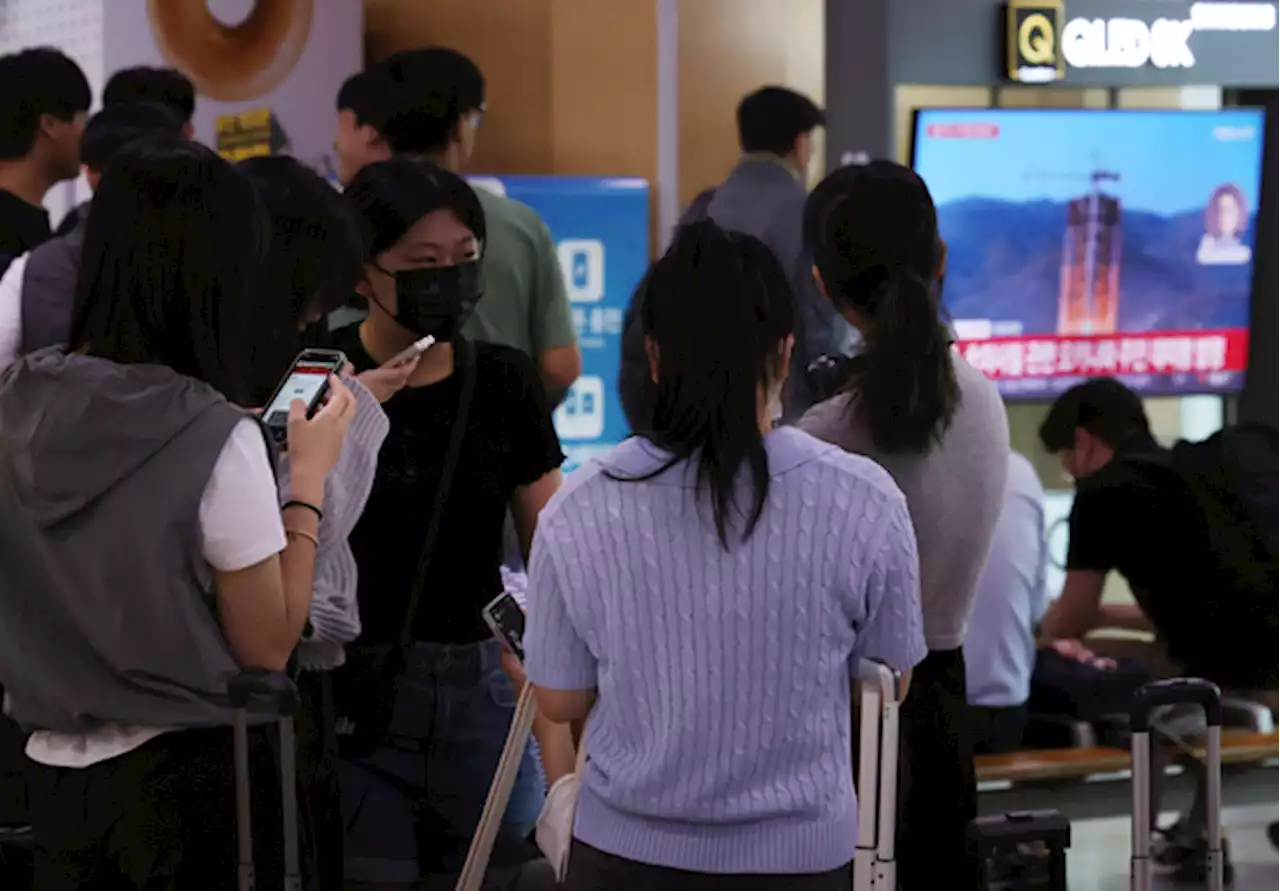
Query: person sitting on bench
1198	569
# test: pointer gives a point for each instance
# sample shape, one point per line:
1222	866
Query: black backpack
1233	478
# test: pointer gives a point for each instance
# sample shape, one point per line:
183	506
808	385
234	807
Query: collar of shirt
770	158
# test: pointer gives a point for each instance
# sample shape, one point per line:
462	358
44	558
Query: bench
1238	747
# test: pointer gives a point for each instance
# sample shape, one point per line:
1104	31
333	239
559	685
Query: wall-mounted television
1084	243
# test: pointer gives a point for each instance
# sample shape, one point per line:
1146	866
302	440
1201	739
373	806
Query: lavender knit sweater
720	741
335	614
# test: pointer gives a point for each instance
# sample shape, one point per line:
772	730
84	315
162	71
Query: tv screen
1097	243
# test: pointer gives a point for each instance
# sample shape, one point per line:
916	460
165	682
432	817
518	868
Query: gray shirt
954	493
763	197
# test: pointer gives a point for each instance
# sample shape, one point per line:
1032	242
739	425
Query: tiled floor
1099	857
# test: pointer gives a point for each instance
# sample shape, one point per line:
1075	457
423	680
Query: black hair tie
305	505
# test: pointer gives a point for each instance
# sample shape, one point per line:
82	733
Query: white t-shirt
240	526
11	311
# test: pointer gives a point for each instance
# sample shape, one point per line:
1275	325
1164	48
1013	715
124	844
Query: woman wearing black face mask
426	704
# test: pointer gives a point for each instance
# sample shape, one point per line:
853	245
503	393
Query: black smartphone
505	617
308	380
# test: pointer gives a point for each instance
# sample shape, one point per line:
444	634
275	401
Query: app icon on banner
581	415
582	261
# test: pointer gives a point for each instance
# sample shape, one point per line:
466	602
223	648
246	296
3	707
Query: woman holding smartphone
471	437
313	264
146	556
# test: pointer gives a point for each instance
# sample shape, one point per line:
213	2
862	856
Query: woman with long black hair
706	590
938	426
145	555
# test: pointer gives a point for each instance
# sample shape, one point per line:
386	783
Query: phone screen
305	382
506	618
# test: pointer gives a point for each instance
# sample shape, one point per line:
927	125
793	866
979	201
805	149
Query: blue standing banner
601	229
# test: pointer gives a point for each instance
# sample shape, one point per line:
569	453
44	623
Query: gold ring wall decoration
232	63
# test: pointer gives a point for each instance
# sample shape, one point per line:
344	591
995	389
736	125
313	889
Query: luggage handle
495	804
874	673
263	692
877	774
1175	691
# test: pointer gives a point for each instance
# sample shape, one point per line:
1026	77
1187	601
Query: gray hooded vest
106	613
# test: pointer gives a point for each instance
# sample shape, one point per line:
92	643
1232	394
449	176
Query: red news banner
1101	355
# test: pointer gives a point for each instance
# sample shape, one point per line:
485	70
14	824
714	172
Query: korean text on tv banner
601	229
1167	362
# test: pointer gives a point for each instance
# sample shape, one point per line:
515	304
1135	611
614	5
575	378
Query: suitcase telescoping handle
1174	691
877	784
262	692
874	673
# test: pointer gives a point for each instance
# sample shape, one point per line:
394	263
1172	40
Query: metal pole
1140	859
1213	800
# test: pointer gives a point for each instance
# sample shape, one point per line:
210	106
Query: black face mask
438	300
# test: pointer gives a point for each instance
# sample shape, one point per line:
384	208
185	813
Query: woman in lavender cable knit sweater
705	591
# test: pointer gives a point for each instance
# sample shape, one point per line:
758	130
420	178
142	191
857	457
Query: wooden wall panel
727	48
571	83
604	87
511	42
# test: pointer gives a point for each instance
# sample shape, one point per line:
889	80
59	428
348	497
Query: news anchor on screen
1225	220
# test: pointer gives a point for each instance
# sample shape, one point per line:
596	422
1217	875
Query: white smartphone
505	617
416	349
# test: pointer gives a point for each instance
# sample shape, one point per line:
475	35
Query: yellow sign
245	135
1035	43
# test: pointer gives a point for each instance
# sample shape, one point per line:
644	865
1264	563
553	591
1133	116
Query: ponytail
873	231
904	377
716	308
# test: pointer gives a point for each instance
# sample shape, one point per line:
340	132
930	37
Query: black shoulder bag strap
466	359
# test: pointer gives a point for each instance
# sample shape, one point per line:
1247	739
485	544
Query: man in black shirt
43	105
1136	514
1133	513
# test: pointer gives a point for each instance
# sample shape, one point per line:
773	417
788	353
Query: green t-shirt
525	305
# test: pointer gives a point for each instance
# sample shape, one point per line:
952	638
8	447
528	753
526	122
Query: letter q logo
582	262
1036	40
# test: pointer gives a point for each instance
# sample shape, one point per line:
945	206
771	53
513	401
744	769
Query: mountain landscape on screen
1004	261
